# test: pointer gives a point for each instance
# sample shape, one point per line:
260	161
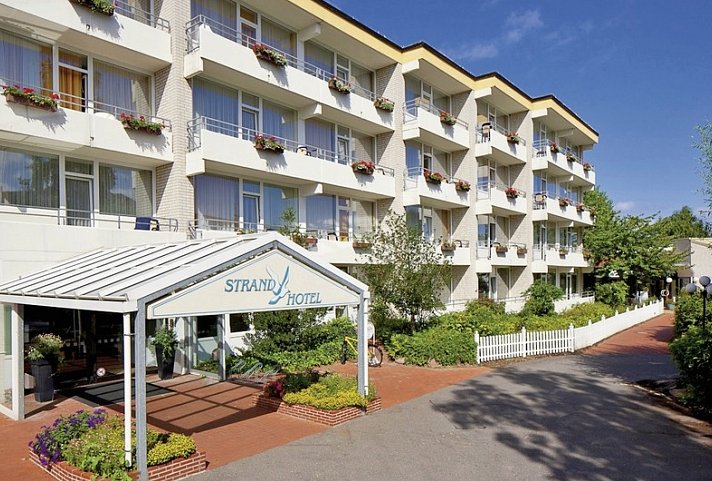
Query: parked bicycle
375	353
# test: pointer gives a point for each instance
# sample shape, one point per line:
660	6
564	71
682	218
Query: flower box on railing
270	144
28	96
587	167
140	124
100	6
311	241
463	185
563	251
511	193
570	157
500	249
267	53
513	137
341	86
448	247
580	208
521	250
365	167
447	118
564	202
432	176
361	244
554	148
384	104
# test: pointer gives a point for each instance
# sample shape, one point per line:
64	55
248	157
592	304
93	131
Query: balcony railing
85	218
541	146
484	248
357	232
540	251
485	187
232	34
218	126
411	174
539	200
484	136
122	7
411	108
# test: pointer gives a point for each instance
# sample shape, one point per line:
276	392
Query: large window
25	62
119	90
321	213
125	191
29	179
217	202
218	102
276	201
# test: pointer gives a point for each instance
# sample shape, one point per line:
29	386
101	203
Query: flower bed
316	415
28	96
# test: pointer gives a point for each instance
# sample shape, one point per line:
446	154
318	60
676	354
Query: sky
638	71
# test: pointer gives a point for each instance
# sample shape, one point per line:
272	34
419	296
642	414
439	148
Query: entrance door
79	201
206	340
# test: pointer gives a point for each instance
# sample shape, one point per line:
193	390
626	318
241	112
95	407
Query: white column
127	388
362	358
222	323
18	365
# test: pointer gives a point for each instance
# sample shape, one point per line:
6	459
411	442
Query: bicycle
375	353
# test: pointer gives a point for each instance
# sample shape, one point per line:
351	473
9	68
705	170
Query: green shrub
297	361
543	323
540	298
445	345
579	315
50	441
331	392
612	293
100	451
688	312
692	353
387	322
169	447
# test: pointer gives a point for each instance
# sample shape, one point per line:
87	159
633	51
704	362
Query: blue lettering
229	285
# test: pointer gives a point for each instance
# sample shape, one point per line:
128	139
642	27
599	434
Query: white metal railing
193	26
540	251
122	7
484	247
533	343
541	146
411	108
484	188
411	174
483	136
197	124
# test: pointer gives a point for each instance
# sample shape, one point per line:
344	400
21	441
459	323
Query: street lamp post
706	284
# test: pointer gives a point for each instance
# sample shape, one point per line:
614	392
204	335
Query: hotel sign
270	282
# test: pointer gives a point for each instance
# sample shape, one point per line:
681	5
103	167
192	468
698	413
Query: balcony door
79	201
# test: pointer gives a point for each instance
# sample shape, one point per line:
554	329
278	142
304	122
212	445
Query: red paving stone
225	424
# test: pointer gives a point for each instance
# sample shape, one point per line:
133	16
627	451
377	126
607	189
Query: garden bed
310	413
173	470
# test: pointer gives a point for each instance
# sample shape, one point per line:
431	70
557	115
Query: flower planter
563	252
140	124
433	177
165	364
570	158
463	186
564	202
105	7
447	248
310	413
501	249
44	383
554	148
513	138
16	99
521	251
311	241
341	86
144	129
363	167
361	245
268	144
268	54
587	167
384	104
447	118
580	208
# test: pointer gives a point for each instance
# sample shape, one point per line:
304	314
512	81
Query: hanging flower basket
513	138
463	185
511	193
432	176
365	167
267	53
141	124
587	167
447	118
341	86
311	241
384	104
564	202
28	96
105	7
270	144
554	148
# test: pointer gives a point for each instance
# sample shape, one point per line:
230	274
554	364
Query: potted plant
265	52
45	356
521	250
500	249
447	246
447	118
463	185
100	6
511	192
341	86
587	167
513	137
141	124
365	167
262	142
28	96
433	177
384	104
165	342
564	202
554	148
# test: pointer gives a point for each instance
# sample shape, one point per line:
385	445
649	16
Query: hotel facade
198	119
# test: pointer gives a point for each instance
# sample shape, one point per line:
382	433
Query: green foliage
692	353
683	223
50	441
445	345
296	361
45	346
688	312
292	382
592	311
540	298
100	451
170	446
166	338
386	321
332	392
612	293
406	273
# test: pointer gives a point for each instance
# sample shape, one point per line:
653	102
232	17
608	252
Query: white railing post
571	336
477	346
523	345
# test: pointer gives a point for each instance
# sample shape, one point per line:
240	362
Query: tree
405	272
683	223
540	298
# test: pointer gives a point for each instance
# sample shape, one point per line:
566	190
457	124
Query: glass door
79	201
206	341
344	219
251	206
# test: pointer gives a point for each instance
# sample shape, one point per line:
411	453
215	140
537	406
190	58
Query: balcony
435	127
138	38
501	254
220	52
560	209
421	190
93	131
562	163
501	145
556	255
498	199
456	251
217	146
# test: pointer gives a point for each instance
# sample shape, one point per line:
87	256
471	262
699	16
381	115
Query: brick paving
223	421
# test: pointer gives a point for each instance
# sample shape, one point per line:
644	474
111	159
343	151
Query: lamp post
691	288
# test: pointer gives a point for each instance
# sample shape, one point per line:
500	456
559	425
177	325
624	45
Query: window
363	214
29	179
25	62
239	322
73	75
279	121
321	213
276	201
214	101
248	25
251	206
119	90
319	61
278	37
216	202
125	191
221	12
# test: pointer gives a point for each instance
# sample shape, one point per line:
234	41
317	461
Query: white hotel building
75	179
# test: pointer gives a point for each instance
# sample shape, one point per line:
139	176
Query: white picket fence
523	343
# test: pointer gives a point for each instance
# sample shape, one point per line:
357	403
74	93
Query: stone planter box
177	469
310	413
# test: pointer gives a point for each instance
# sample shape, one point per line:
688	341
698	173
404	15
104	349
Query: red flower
142	117
55	96
28	90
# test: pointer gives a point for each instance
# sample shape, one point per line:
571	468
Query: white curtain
24	62
319	57
320	134
219	12
216	202
412	156
29	179
362	217
125	191
278	37
215	101
321	213
278	120
119	90
361	77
